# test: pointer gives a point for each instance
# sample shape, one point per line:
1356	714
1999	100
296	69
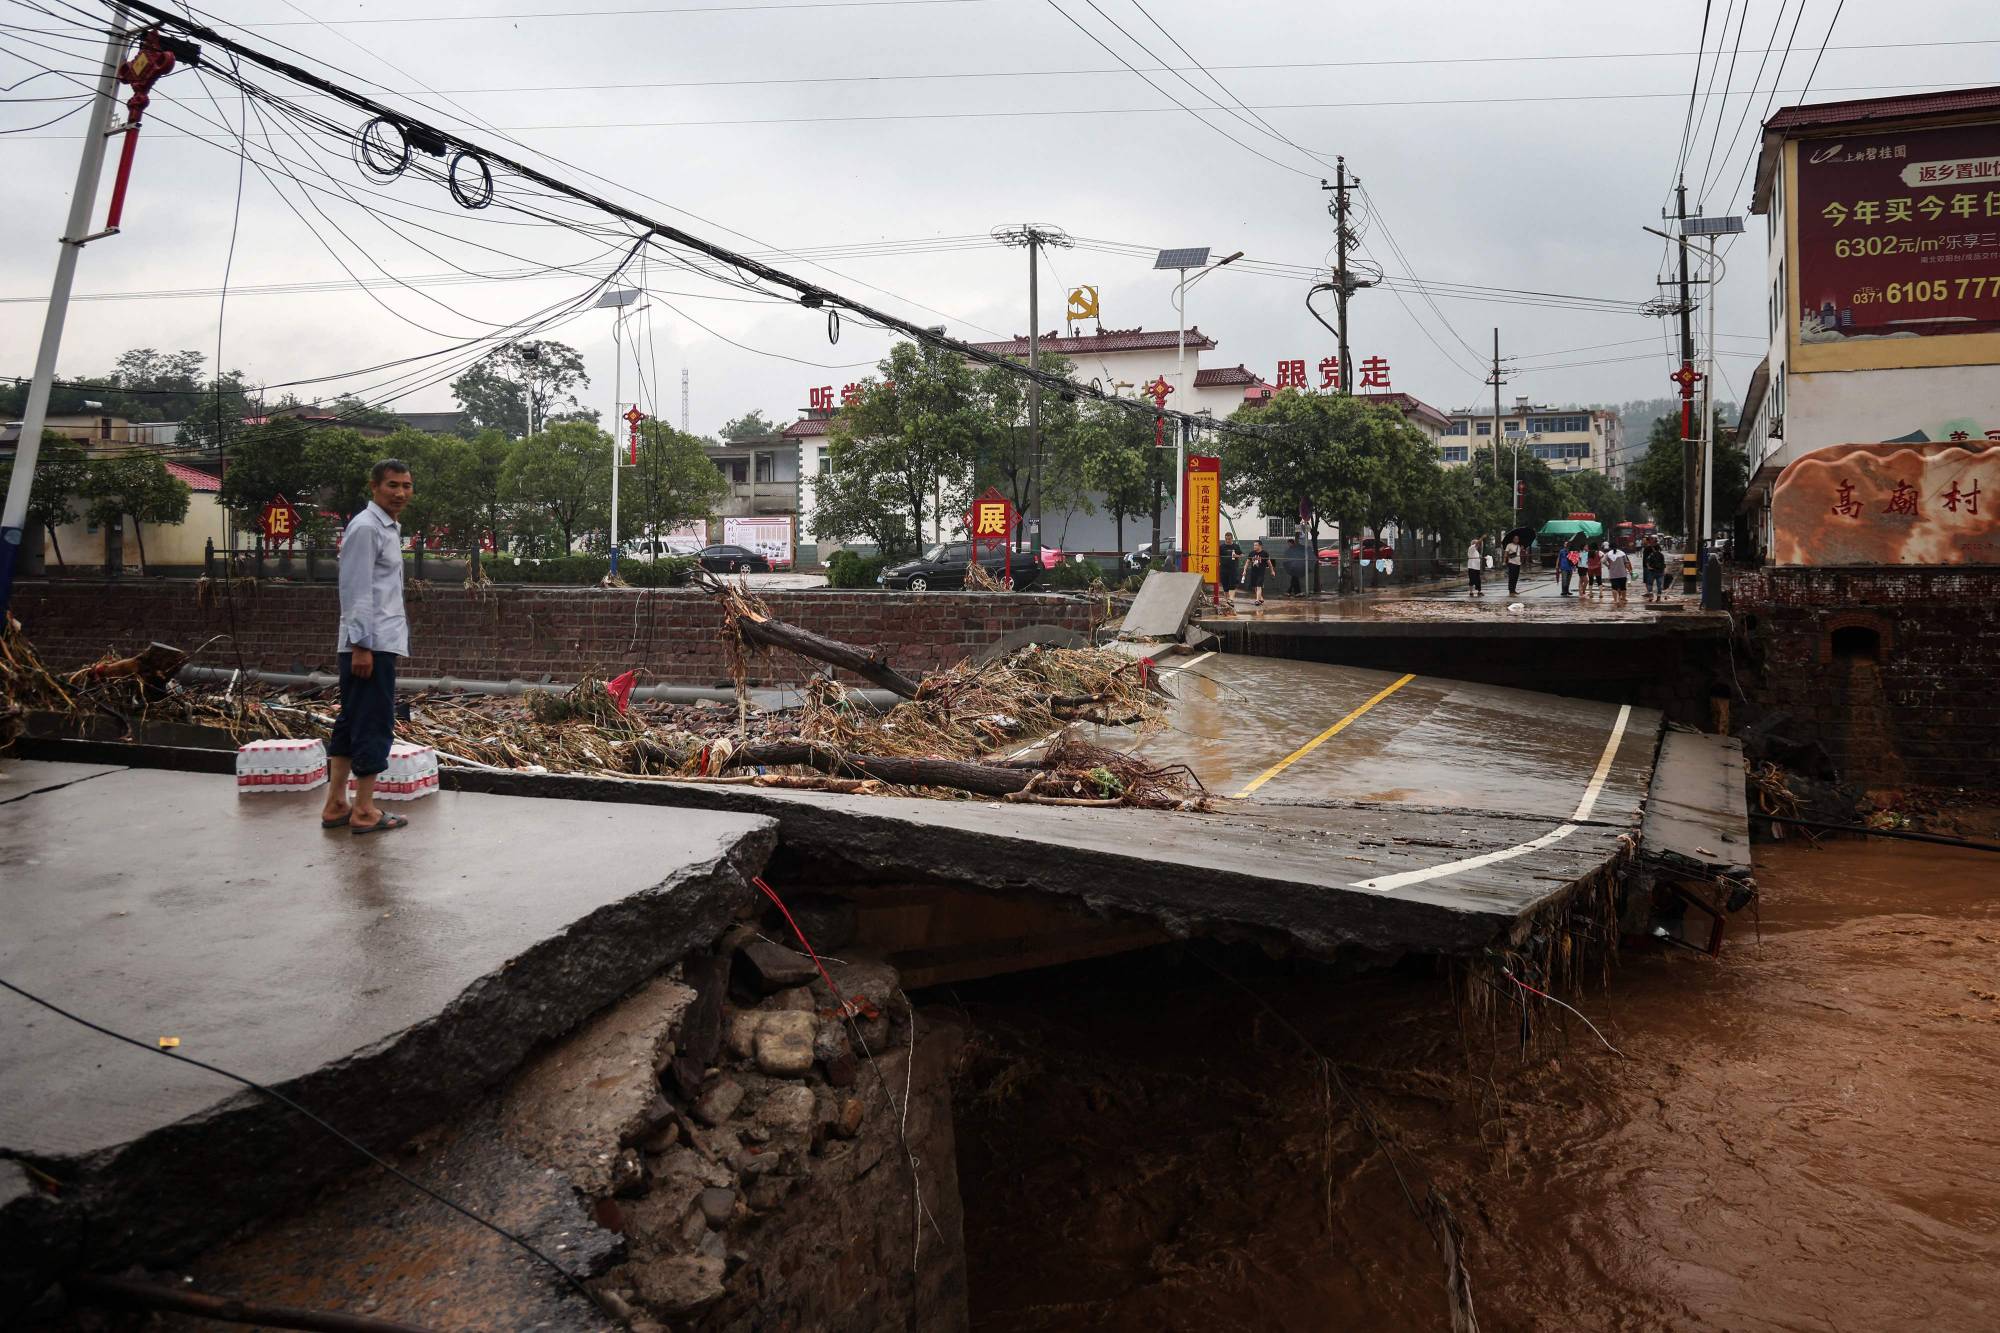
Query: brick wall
1923	710
515	632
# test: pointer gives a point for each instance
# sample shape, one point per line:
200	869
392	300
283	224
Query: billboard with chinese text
770	537
1202	518
1888	504
1897	235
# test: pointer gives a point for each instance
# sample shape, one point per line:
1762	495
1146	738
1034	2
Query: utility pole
1689	455
1033	236
1345	284
82	200
1496	379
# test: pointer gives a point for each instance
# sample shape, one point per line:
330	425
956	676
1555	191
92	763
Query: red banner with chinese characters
279	520
1201	518
990	526
1889	504
1899	234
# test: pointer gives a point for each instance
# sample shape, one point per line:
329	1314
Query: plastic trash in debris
1516	606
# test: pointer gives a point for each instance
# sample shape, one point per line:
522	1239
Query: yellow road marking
1321	739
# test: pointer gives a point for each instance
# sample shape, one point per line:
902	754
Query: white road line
1389	883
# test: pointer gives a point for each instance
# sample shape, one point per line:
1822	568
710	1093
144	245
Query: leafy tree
338	461
1590	492
59	475
559	479
752	425
1657	481
674	481
135	486
266	461
1004	454
502	387
1119	461
911	436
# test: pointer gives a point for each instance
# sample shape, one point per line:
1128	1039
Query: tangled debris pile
939	741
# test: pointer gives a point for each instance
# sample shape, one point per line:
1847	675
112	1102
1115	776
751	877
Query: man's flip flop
337	823
386	824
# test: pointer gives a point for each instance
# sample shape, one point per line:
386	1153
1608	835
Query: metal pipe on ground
880	700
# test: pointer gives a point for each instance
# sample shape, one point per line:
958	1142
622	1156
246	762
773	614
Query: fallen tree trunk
870	666
961	775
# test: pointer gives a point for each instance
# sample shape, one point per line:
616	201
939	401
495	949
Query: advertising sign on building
1888	504
1899	234
769	535
1202	518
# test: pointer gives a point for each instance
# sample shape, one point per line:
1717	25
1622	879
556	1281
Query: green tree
266	461
1119	461
560	479
1657	481
134	486
752	425
500	389
1004	453
674	481
904	440
1590	492
59	475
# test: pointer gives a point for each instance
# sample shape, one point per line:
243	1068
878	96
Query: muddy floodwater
1802	1135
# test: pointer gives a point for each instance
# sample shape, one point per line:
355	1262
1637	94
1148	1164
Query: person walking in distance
1473	563
1295	568
1653	563
1596	568
1512	554
1232	564
1565	569
374	637
1617	569
1256	569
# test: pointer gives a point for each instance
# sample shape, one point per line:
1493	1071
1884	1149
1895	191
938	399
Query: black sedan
732	560
943	566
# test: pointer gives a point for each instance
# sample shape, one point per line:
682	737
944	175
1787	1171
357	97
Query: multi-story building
1882	299
1568	439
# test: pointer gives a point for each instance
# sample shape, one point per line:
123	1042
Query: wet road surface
1800	1136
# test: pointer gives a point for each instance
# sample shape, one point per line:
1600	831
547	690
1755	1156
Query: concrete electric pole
14	513
1033	237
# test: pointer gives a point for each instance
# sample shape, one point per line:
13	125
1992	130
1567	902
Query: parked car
726	559
1143	556
943	566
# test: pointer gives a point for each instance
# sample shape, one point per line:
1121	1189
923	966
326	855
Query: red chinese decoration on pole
1158	391
1687	377
148	65
279	521
632	418
990	524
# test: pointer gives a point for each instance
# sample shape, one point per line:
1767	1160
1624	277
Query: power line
1722	109
1687	122
1770	44
797	5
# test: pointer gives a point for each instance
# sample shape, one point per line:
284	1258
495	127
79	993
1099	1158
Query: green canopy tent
1558	531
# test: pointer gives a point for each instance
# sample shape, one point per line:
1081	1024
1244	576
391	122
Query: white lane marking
1389	883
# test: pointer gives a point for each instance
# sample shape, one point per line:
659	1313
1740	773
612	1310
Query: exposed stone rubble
781	1193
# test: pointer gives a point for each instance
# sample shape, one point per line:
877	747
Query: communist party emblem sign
278	521
1201	516
990	525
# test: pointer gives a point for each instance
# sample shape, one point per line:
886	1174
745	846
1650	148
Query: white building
1882	262
1568	439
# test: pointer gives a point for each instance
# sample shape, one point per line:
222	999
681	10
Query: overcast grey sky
812	126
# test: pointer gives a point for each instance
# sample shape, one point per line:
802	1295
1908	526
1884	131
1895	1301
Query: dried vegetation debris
941	739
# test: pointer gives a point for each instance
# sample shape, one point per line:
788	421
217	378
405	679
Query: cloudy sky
1518	146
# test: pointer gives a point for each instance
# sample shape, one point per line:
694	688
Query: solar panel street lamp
1181	260
617	299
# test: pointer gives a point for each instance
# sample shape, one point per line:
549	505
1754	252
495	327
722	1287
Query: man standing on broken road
374	636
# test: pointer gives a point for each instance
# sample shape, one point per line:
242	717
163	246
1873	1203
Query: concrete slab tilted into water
383	980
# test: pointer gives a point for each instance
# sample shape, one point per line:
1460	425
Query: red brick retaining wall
516	632
1923	710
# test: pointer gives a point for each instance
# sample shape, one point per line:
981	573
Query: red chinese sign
1899	234
1292	374
1888	504
819	398
990	526
1201	517
279	520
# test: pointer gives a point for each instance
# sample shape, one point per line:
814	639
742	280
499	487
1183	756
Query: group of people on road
1591	567
1253	570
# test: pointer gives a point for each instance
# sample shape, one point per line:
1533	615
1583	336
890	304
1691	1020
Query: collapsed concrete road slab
381	981
1163	608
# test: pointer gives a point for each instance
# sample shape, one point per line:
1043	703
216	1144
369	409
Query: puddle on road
1801	1137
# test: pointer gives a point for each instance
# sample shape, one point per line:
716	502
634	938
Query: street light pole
1204	268
616	301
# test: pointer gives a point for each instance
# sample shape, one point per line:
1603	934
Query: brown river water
1801	1135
